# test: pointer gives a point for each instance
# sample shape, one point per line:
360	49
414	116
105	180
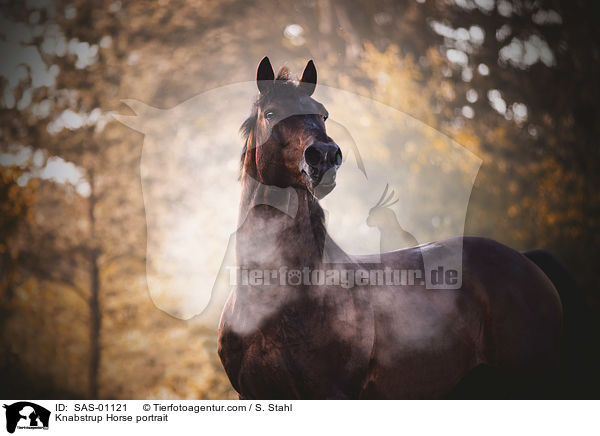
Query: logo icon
26	415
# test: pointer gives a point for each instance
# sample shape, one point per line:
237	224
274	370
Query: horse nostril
338	157
312	156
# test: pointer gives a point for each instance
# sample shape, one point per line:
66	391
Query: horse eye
269	115
325	117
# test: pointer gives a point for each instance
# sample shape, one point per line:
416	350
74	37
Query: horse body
383	341
507	315
284	341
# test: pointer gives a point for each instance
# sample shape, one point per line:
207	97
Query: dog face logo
26	415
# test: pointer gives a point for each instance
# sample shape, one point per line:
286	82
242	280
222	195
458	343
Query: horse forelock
283	74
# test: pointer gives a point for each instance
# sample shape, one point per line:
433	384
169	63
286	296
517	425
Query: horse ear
309	78
265	75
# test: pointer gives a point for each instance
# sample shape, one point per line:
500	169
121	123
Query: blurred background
514	82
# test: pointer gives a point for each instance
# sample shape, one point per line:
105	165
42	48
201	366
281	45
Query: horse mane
283	80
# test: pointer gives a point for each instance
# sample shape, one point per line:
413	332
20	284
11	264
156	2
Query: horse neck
278	227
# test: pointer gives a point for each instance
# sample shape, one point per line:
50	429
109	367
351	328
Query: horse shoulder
230	347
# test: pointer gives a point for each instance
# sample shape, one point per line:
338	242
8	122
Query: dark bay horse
287	339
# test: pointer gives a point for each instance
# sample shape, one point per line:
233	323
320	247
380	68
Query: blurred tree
513	81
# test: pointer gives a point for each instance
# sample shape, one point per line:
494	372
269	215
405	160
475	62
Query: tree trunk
94	301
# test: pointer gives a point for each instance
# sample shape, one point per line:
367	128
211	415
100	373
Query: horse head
286	138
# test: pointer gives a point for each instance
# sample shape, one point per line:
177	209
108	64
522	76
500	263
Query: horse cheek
293	160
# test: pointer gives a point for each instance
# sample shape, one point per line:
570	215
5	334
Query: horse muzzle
319	167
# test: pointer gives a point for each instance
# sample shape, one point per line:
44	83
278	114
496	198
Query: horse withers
291	339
